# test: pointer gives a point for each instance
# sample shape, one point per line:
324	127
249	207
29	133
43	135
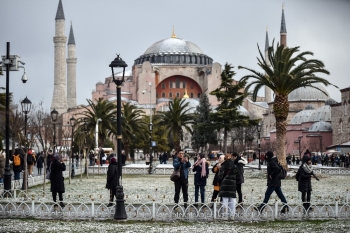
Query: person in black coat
17	169
57	179
239	162
273	182
304	181
228	171
216	183
112	180
201	169
40	162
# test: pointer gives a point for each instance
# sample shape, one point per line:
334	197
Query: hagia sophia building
174	67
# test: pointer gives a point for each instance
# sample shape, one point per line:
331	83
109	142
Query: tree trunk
281	109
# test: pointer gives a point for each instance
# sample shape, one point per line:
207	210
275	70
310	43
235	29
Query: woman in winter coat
239	162
304	181
228	171
112	180
216	183
56	177
39	163
201	167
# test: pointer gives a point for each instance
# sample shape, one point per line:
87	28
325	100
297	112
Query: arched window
163	95
191	95
170	95
340	125
177	94
199	95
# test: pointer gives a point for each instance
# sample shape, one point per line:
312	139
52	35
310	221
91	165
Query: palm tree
131	123
175	119
102	109
287	73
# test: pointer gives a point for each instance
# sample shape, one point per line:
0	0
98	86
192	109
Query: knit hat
306	158
269	155
113	160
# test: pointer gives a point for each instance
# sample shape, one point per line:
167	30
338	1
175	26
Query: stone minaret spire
71	71
283	31
267	89
59	99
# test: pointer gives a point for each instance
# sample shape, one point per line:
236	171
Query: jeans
17	175
269	191
229	203
181	183
202	190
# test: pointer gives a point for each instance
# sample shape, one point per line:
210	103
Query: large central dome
174	51
173	45
309	93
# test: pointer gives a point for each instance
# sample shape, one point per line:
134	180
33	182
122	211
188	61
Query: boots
284	209
305	205
62	205
110	203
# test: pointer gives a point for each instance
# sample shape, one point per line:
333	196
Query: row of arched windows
176	59
177	94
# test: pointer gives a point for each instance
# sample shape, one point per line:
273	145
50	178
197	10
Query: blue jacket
185	166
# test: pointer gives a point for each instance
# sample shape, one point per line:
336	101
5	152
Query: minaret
283	31
71	71
59	99
267	89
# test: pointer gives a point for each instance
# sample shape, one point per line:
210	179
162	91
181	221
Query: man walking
273	182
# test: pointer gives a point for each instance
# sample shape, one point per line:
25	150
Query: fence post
93	208
153	210
276	209
33	208
336	209
214	209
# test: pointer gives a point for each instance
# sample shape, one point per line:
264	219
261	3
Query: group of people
229	177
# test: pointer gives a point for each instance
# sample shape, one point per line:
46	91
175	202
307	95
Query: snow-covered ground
147	187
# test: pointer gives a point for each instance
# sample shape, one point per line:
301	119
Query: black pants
215	195
306	196
54	196
239	191
112	193
181	183
39	171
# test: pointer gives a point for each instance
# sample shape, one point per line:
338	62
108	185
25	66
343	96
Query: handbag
175	175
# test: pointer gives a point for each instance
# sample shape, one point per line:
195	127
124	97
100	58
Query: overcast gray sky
225	30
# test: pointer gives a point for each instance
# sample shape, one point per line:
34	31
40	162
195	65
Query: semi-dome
321	126
301	117
192	105
321	114
173	51
309	93
243	111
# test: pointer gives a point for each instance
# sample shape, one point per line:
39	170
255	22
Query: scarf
307	168
201	162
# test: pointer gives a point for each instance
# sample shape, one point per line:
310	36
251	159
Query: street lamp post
54	117
26	105
150	169
120	212
258	128
72	122
9	63
299	140
85	128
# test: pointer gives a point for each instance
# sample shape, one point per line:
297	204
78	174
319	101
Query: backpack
16	160
283	173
